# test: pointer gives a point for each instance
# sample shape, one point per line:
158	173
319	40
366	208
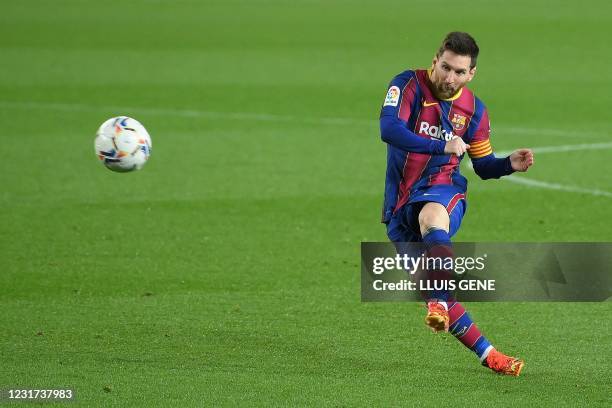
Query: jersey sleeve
401	94
480	146
395	114
485	164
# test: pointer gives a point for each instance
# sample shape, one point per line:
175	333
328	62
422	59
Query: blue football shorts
404	224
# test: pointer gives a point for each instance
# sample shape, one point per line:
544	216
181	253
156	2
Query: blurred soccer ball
123	144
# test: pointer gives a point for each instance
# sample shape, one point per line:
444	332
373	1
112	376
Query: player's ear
471	72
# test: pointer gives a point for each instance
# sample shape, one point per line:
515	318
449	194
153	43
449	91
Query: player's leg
434	227
437	226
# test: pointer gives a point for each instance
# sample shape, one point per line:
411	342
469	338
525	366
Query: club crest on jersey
392	97
458	121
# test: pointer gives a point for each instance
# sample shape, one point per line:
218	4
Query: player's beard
445	91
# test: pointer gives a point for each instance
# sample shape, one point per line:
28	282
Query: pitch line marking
556	186
191	113
263	117
565	148
344	121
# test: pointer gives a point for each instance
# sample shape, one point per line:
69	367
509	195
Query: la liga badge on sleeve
392	97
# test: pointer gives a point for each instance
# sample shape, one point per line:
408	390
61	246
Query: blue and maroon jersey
411	110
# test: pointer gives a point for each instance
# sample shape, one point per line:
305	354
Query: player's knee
433	215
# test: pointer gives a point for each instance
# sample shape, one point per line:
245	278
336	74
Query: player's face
450	72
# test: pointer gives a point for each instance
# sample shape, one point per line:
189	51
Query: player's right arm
395	114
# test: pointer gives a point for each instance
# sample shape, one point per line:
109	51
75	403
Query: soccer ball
122	144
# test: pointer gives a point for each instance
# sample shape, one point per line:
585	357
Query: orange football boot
503	364
437	317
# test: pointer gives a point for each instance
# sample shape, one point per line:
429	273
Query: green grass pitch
226	272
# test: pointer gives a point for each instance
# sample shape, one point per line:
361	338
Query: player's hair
460	43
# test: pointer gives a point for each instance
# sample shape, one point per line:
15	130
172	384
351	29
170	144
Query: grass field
227	271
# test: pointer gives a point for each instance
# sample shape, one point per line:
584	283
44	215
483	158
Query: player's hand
456	146
521	159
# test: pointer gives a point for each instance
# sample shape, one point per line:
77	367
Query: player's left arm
486	165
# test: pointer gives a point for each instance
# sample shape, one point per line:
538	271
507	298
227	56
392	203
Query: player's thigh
433	215
400	229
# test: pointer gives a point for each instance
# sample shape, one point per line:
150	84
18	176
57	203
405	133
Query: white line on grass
546	132
190	113
555	186
263	117
564	148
